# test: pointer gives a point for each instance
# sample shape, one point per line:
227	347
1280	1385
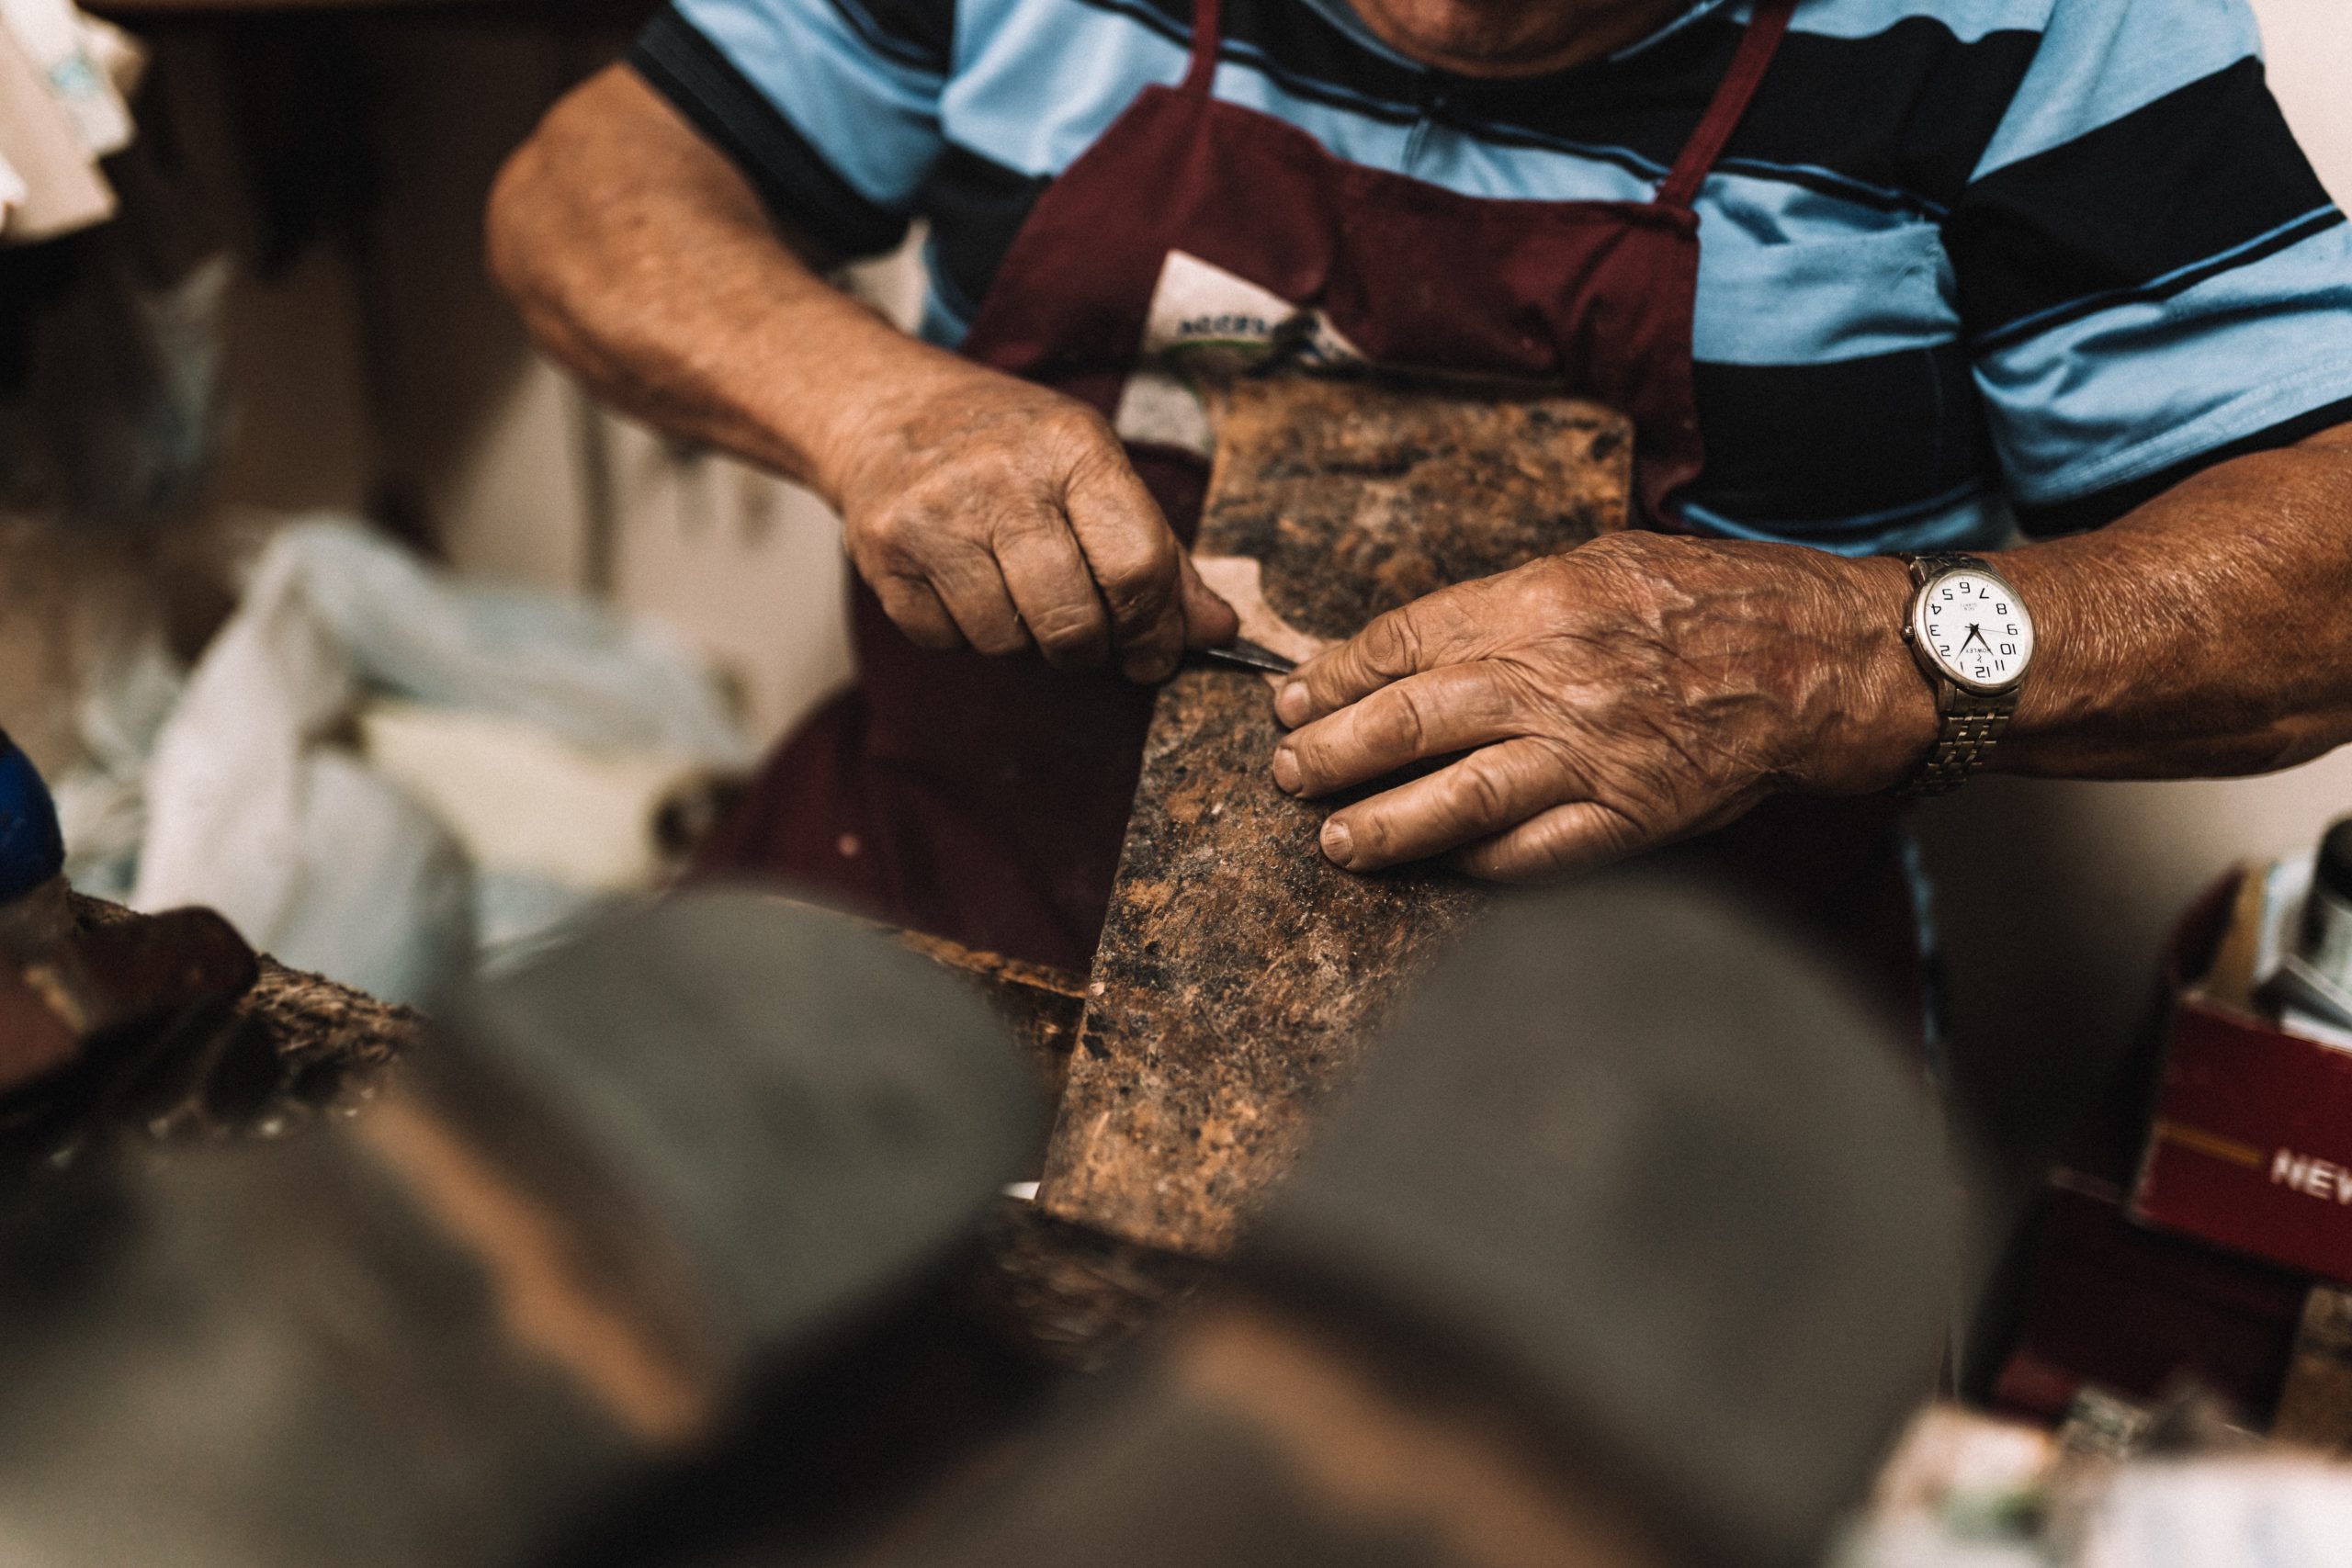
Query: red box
2108	1304
2250	1143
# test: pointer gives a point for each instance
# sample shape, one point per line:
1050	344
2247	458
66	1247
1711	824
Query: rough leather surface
1239	971
329	1040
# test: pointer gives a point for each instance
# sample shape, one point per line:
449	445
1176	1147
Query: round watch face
1971	626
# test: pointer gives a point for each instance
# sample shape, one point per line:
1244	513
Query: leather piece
1239	971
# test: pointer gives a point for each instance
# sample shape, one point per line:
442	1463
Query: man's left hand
1635	691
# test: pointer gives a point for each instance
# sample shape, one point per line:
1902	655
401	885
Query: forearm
2207	633
641	260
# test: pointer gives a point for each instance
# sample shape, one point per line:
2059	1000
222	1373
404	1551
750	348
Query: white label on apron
1206	323
1211	319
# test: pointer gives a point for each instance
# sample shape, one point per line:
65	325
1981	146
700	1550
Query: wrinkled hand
1635	691
985	511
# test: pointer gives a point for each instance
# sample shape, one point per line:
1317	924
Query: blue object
32	850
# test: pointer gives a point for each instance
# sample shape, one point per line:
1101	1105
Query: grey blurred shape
700	1145
1664	1184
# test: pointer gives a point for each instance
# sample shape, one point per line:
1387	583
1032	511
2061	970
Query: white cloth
254	807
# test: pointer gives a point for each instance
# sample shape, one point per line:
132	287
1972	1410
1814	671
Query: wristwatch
1972	636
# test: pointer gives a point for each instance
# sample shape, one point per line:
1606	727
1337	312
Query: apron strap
1205	24
1756	47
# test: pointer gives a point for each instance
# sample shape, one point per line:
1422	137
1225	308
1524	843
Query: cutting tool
1243	654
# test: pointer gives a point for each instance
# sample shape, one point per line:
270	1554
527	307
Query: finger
915	610
1579	836
1136	564
1428	632
1047	575
1446	710
968	582
1209	621
1490	791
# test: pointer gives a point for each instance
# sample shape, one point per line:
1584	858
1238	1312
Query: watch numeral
2013	631
2009	648
2000	609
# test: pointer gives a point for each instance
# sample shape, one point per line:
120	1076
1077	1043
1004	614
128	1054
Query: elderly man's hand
984	510
1635	691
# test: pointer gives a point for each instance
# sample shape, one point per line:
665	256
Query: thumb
1209	621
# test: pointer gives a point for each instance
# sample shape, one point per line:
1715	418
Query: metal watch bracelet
1973	722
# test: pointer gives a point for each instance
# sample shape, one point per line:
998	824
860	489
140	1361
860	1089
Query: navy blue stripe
2195	176
791	177
894	34
2285	237
1893	434
976	207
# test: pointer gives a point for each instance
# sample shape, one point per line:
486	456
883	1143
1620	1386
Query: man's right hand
987	511
983	509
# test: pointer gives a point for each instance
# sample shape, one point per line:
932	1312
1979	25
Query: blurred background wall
372	369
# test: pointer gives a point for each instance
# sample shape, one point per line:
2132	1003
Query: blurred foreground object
557	1249
1634	1246
118	1025
1967	1491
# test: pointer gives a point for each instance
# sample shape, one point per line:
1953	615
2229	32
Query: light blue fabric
2133	390
1798	266
875	119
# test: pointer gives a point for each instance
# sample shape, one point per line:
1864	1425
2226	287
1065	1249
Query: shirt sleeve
830	108
2151	276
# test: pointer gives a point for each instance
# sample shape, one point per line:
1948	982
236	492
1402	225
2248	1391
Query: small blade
1243	654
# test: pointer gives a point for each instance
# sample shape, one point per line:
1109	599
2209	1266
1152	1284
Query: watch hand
1975	634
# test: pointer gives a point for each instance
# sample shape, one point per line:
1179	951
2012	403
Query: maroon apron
985	799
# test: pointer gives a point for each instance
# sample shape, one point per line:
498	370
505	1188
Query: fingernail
1290	703
1339	844
1286	769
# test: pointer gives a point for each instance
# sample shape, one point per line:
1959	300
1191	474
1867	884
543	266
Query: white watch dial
1973	625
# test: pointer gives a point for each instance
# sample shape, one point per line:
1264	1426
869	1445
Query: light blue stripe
1823	300
1977	520
2102	59
2136	389
1036	83
872	119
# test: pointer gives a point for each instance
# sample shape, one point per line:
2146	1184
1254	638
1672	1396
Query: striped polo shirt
1966	266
